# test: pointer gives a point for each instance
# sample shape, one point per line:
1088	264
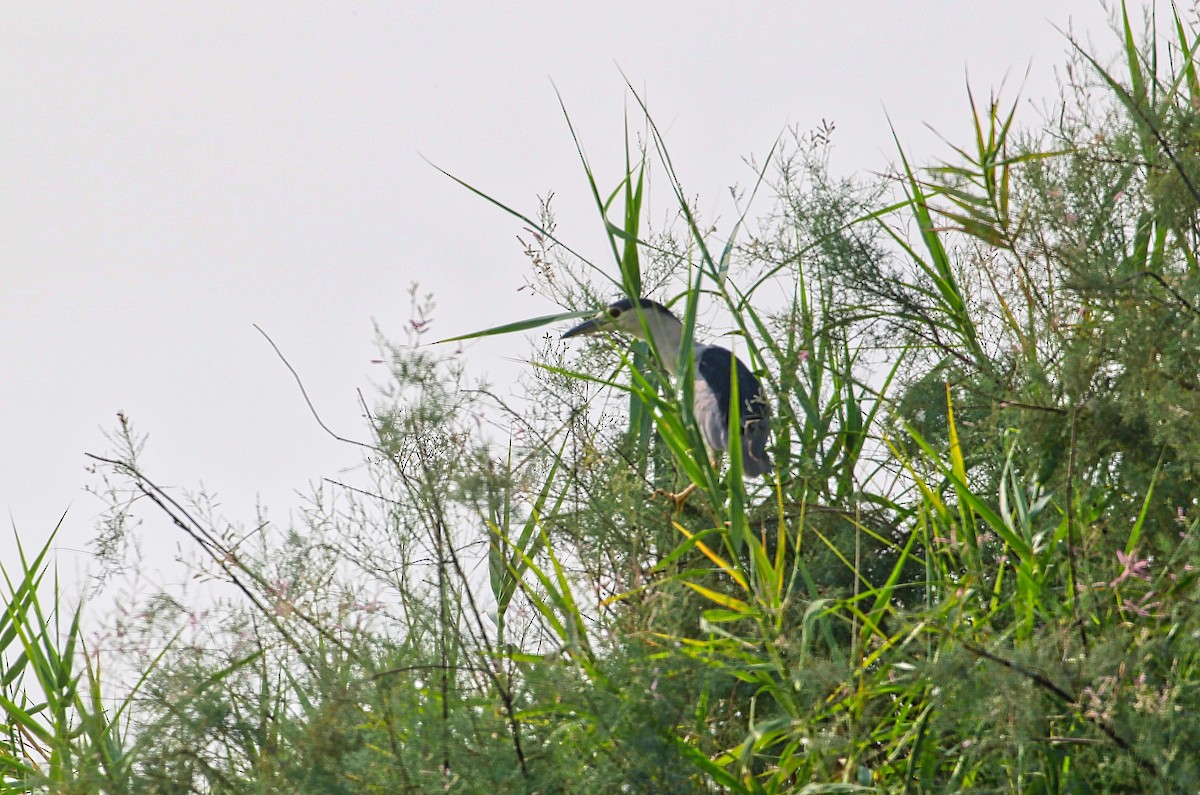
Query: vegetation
975	570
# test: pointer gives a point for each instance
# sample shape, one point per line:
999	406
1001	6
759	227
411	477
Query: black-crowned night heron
712	384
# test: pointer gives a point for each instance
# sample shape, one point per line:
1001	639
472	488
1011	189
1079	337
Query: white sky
173	173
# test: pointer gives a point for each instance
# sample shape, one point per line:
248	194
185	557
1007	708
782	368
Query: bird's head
624	315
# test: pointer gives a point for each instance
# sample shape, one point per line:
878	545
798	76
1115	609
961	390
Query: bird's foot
678	497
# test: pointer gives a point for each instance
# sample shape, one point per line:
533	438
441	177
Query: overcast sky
173	173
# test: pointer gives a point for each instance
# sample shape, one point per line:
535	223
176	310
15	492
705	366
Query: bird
713	393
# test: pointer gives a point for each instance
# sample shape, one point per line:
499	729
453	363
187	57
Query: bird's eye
613	312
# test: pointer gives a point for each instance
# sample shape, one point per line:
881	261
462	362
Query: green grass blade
519	325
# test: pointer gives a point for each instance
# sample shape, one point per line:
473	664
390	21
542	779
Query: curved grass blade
519	325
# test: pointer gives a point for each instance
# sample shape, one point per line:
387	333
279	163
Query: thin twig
1044	682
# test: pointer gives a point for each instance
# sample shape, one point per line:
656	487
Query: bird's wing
714	388
711	401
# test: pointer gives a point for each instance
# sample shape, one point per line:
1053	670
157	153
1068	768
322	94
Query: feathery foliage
973	570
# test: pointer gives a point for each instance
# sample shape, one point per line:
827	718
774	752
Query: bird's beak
594	326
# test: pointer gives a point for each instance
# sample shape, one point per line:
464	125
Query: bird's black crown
626	304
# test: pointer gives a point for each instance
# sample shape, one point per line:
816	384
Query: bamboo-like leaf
958	466
529	222
631	272
1188	50
724	600
1135	533
507	569
884	594
720	776
27	719
1133	58
519	325
723	564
